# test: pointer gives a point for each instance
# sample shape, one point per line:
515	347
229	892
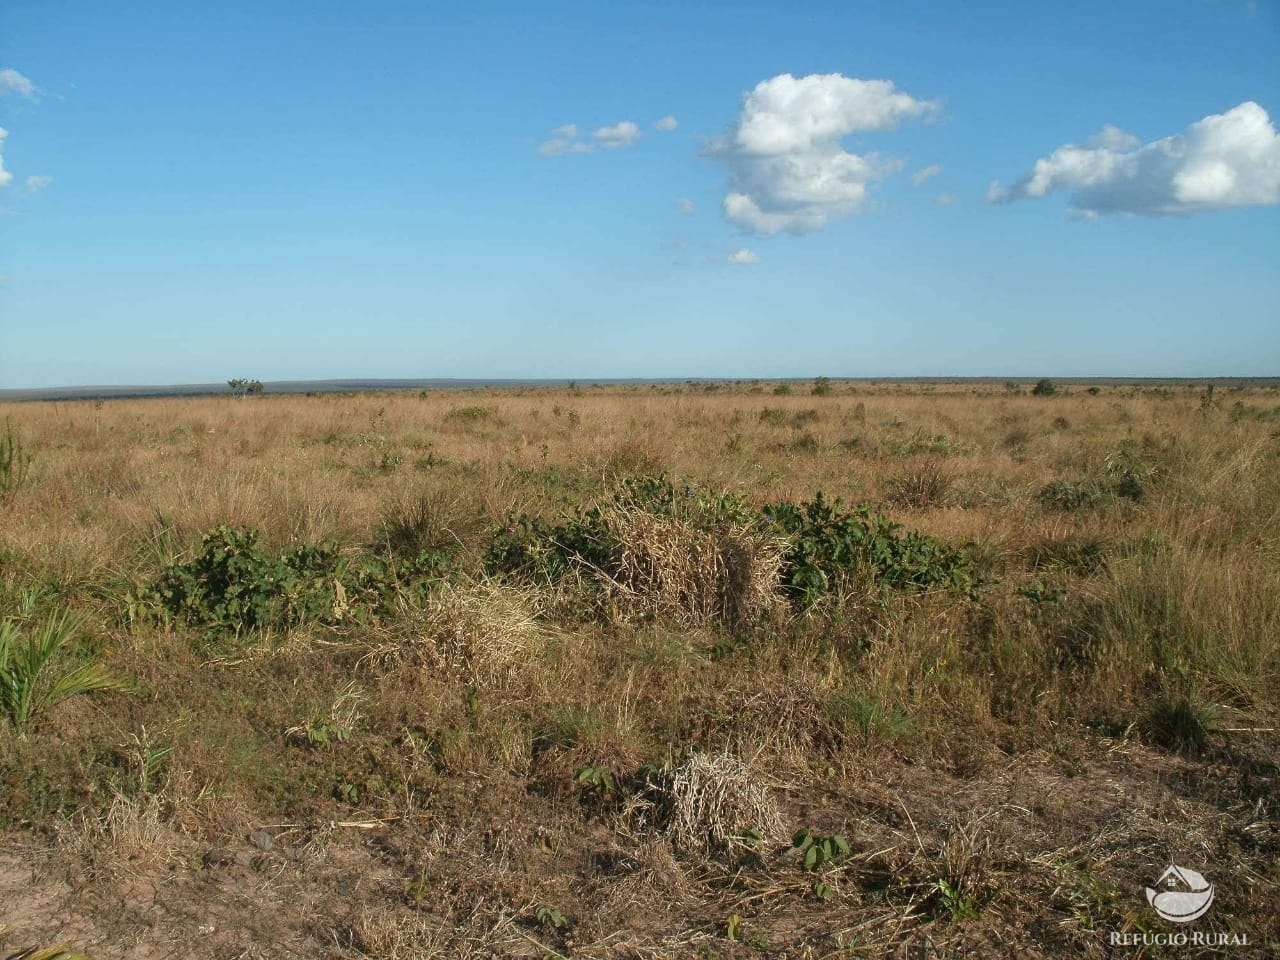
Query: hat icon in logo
1185	896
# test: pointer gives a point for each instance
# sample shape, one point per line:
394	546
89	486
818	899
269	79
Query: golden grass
469	710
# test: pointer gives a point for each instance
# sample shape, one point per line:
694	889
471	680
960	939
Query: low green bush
830	544
235	585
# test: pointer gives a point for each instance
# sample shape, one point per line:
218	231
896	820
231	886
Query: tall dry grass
1138	618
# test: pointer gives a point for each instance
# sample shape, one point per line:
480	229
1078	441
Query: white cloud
787	167
1228	159
11	81
920	176
563	141
35	184
667	124
744	256
622	134
944	200
685	205
5	176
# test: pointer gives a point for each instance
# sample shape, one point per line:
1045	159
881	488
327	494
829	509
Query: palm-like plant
34	674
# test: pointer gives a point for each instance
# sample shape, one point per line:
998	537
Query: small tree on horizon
241	387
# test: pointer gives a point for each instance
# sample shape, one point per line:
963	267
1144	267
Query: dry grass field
478	688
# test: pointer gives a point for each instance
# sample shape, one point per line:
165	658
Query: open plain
593	672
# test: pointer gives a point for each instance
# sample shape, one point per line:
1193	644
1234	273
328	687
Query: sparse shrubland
840	671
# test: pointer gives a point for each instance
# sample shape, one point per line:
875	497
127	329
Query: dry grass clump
483	629
709	802
925	486
671	569
394	934
131	834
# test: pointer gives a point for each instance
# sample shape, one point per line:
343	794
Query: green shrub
469	414
235	585
829	545
533	548
821	387
1044	388
826	544
1125	474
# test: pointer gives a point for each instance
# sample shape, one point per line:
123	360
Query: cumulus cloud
744	257
920	176
622	134
788	170
685	205
5	176
11	81
1227	159
667	124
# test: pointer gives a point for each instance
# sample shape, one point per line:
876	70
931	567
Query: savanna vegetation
711	670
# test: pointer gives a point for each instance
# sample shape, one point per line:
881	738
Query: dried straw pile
674	570
708	802
484	629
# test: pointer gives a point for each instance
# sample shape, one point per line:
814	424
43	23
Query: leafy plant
819	850
235	585
821	387
961	906
15	461
1040	593
733	927
321	734
830	543
597	783
551	919
34	673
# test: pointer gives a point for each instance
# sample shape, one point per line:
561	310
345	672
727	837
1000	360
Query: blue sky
193	192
